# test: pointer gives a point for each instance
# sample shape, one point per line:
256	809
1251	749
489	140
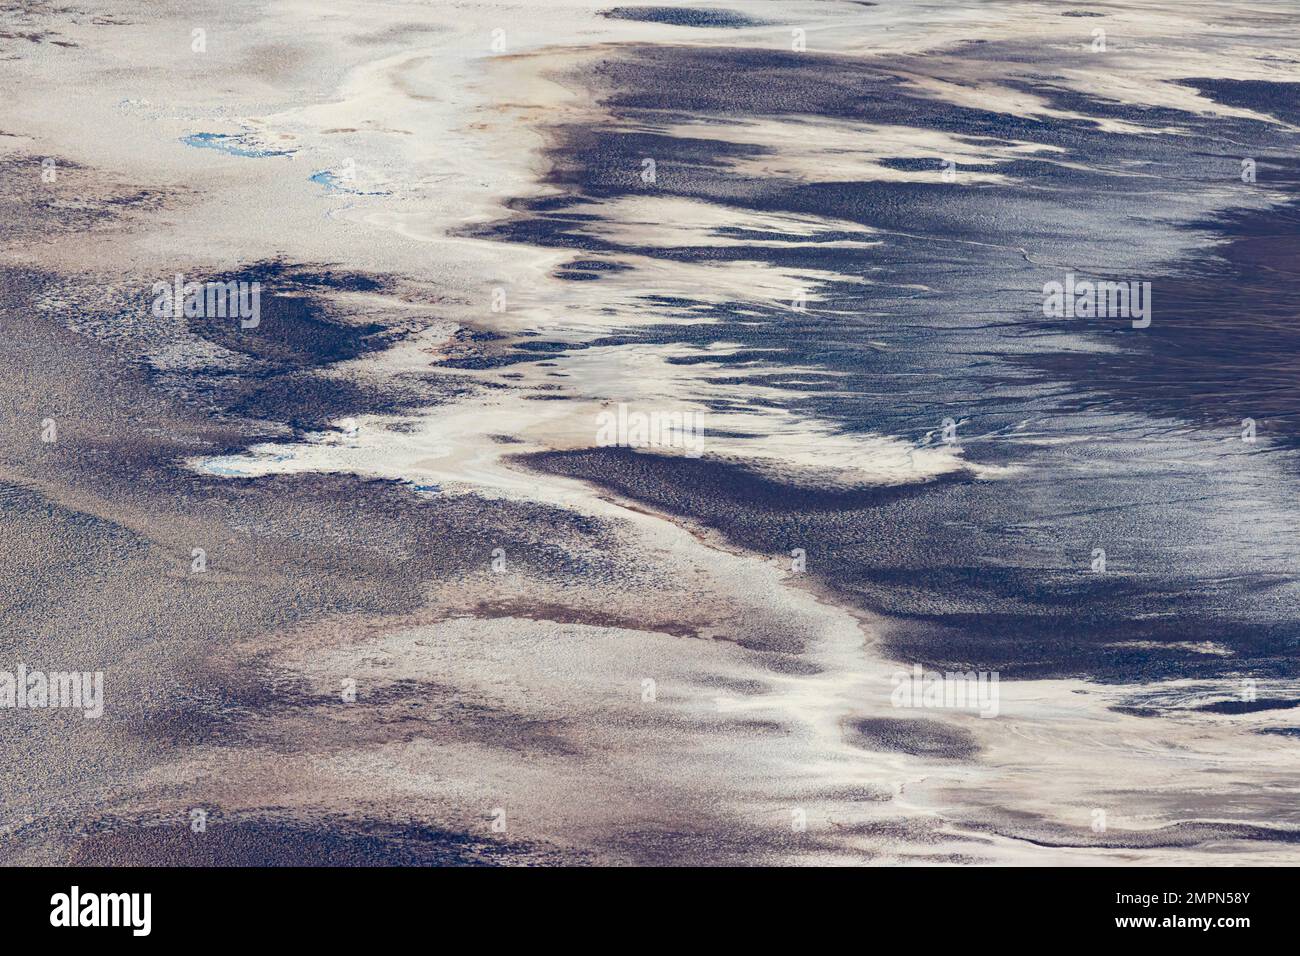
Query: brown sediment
220	840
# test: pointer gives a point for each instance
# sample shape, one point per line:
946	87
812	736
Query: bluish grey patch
235	144
216	466
330	181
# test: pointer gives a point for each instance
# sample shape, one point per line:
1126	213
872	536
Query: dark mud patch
43	198
1186	835
296	329
916	736
1218	351
560	614
1281	100
685	16
718	488
328	842
1248	706
1281	732
964	584
256	705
